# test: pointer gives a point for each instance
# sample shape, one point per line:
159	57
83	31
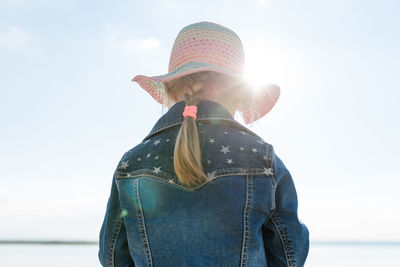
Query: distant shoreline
312	243
46	242
355	243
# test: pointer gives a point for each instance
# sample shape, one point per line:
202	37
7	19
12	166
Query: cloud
148	44
117	38
14	38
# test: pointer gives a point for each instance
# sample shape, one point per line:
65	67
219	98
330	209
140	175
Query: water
48	255
86	255
354	256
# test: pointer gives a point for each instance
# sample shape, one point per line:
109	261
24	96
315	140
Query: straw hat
207	46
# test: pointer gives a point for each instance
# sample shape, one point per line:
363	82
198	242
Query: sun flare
263	64
254	75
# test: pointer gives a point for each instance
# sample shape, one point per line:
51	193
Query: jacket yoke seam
198	187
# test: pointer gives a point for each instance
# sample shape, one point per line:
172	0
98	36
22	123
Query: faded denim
245	216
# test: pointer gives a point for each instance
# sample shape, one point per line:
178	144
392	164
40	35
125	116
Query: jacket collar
206	111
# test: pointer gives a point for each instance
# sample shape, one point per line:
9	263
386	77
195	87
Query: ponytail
187	153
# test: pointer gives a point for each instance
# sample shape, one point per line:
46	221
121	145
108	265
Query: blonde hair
187	152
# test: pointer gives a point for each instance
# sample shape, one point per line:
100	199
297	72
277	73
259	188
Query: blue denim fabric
245	216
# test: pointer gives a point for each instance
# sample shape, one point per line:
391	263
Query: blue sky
69	111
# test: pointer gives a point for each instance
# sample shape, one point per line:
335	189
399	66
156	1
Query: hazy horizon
69	110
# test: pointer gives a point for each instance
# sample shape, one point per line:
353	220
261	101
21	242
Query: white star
148	155
156	170
265	157
145	142
225	149
128	175
208	161
211	175
243	133
225	132
139	159
156	157
229	161
268	171
260	141
254	150
167	140
124	165
241	148
157	142
211	140
171	181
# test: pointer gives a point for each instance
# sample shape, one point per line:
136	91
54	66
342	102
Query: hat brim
258	103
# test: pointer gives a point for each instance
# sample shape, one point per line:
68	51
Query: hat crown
207	43
207	46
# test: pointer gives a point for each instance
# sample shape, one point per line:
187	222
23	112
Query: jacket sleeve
113	243
286	238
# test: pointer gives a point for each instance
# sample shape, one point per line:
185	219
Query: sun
262	64
254	74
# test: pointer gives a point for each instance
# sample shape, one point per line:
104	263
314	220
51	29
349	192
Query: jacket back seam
246	224
284	239
115	235
142	226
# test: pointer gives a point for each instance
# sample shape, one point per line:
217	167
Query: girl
201	189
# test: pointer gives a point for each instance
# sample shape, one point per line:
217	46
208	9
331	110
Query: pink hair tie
190	111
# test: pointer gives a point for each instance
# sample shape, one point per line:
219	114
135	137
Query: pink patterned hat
207	46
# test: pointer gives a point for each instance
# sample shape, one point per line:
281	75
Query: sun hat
208	46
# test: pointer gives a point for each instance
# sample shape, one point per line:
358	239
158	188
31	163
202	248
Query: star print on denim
167	140
241	148
148	155
156	157
229	161
156	170
171	181
124	165
211	175
254	150
139	159
224	149
268	171
225	132
211	140
157	142
208	161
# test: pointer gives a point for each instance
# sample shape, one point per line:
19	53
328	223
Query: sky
69	110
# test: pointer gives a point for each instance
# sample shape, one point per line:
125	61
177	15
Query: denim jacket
245	215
